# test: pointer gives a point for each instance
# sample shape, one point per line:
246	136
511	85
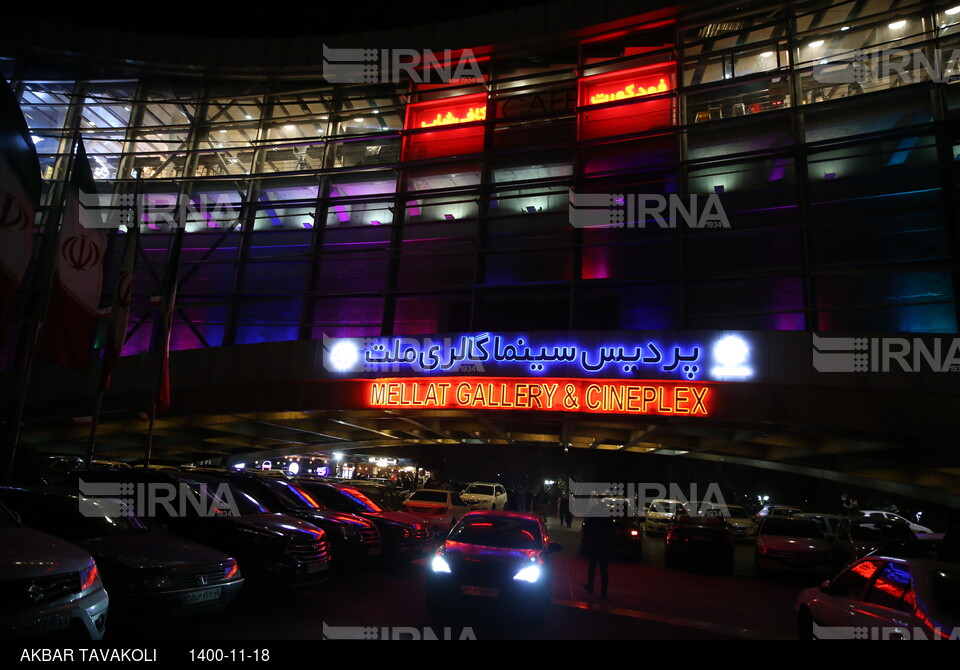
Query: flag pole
120	299
169	302
26	369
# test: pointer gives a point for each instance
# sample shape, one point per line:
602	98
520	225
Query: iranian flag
19	198
71	322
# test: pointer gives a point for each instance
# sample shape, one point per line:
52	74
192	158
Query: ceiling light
844	29
897	25
766	54
816	44
952	10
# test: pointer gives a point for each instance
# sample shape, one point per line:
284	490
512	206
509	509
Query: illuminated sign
718	356
447	111
627	84
446	127
470	353
606	396
629	91
473	114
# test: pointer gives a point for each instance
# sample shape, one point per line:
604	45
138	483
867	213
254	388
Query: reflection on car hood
280	525
336	517
400	517
26	553
152	550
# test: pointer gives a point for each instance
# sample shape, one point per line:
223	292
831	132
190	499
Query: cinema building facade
615	232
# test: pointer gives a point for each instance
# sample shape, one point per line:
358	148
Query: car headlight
530	574
439	565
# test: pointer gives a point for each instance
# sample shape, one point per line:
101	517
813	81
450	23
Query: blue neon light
469	353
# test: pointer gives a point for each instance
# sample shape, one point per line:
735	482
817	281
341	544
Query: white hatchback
484	495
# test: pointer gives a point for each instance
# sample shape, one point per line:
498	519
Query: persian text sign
607	396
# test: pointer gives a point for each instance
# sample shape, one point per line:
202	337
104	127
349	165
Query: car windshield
479	489
791	528
429	496
737	513
222	494
294	496
664	507
498	532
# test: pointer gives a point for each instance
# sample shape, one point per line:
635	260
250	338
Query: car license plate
43	624
482	591
316	566
204	596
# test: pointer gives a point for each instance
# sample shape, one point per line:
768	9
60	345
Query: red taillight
89	577
634	533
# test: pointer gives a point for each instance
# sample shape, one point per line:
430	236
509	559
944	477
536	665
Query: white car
906	593
876	513
483	495
440	507
660	513
793	545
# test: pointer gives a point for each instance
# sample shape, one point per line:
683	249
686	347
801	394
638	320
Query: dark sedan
271	549
405	536
493	557
146	572
701	542
351	536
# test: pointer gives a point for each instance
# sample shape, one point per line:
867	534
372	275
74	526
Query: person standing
566	518
597	541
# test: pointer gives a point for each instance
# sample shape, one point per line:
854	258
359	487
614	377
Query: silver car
48	587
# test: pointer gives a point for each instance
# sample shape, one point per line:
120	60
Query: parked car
660	514
829	523
147	572
627	528
700	541
793	545
271	549
890	516
493	558
404	535
776	510
858	536
443	508
351	536
483	495
50	588
910	592
739	522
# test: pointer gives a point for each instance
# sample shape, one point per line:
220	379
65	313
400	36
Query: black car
627	527
271	549
404	535
497	558
351	536
148	573
702	542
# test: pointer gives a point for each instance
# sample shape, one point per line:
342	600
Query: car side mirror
554	547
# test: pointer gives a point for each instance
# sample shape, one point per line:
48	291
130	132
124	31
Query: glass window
892	588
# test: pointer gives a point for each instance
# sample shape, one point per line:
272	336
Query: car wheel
804	624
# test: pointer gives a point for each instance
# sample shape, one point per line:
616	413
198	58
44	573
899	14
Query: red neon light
600	396
629	91
473	114
447	112
628	84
